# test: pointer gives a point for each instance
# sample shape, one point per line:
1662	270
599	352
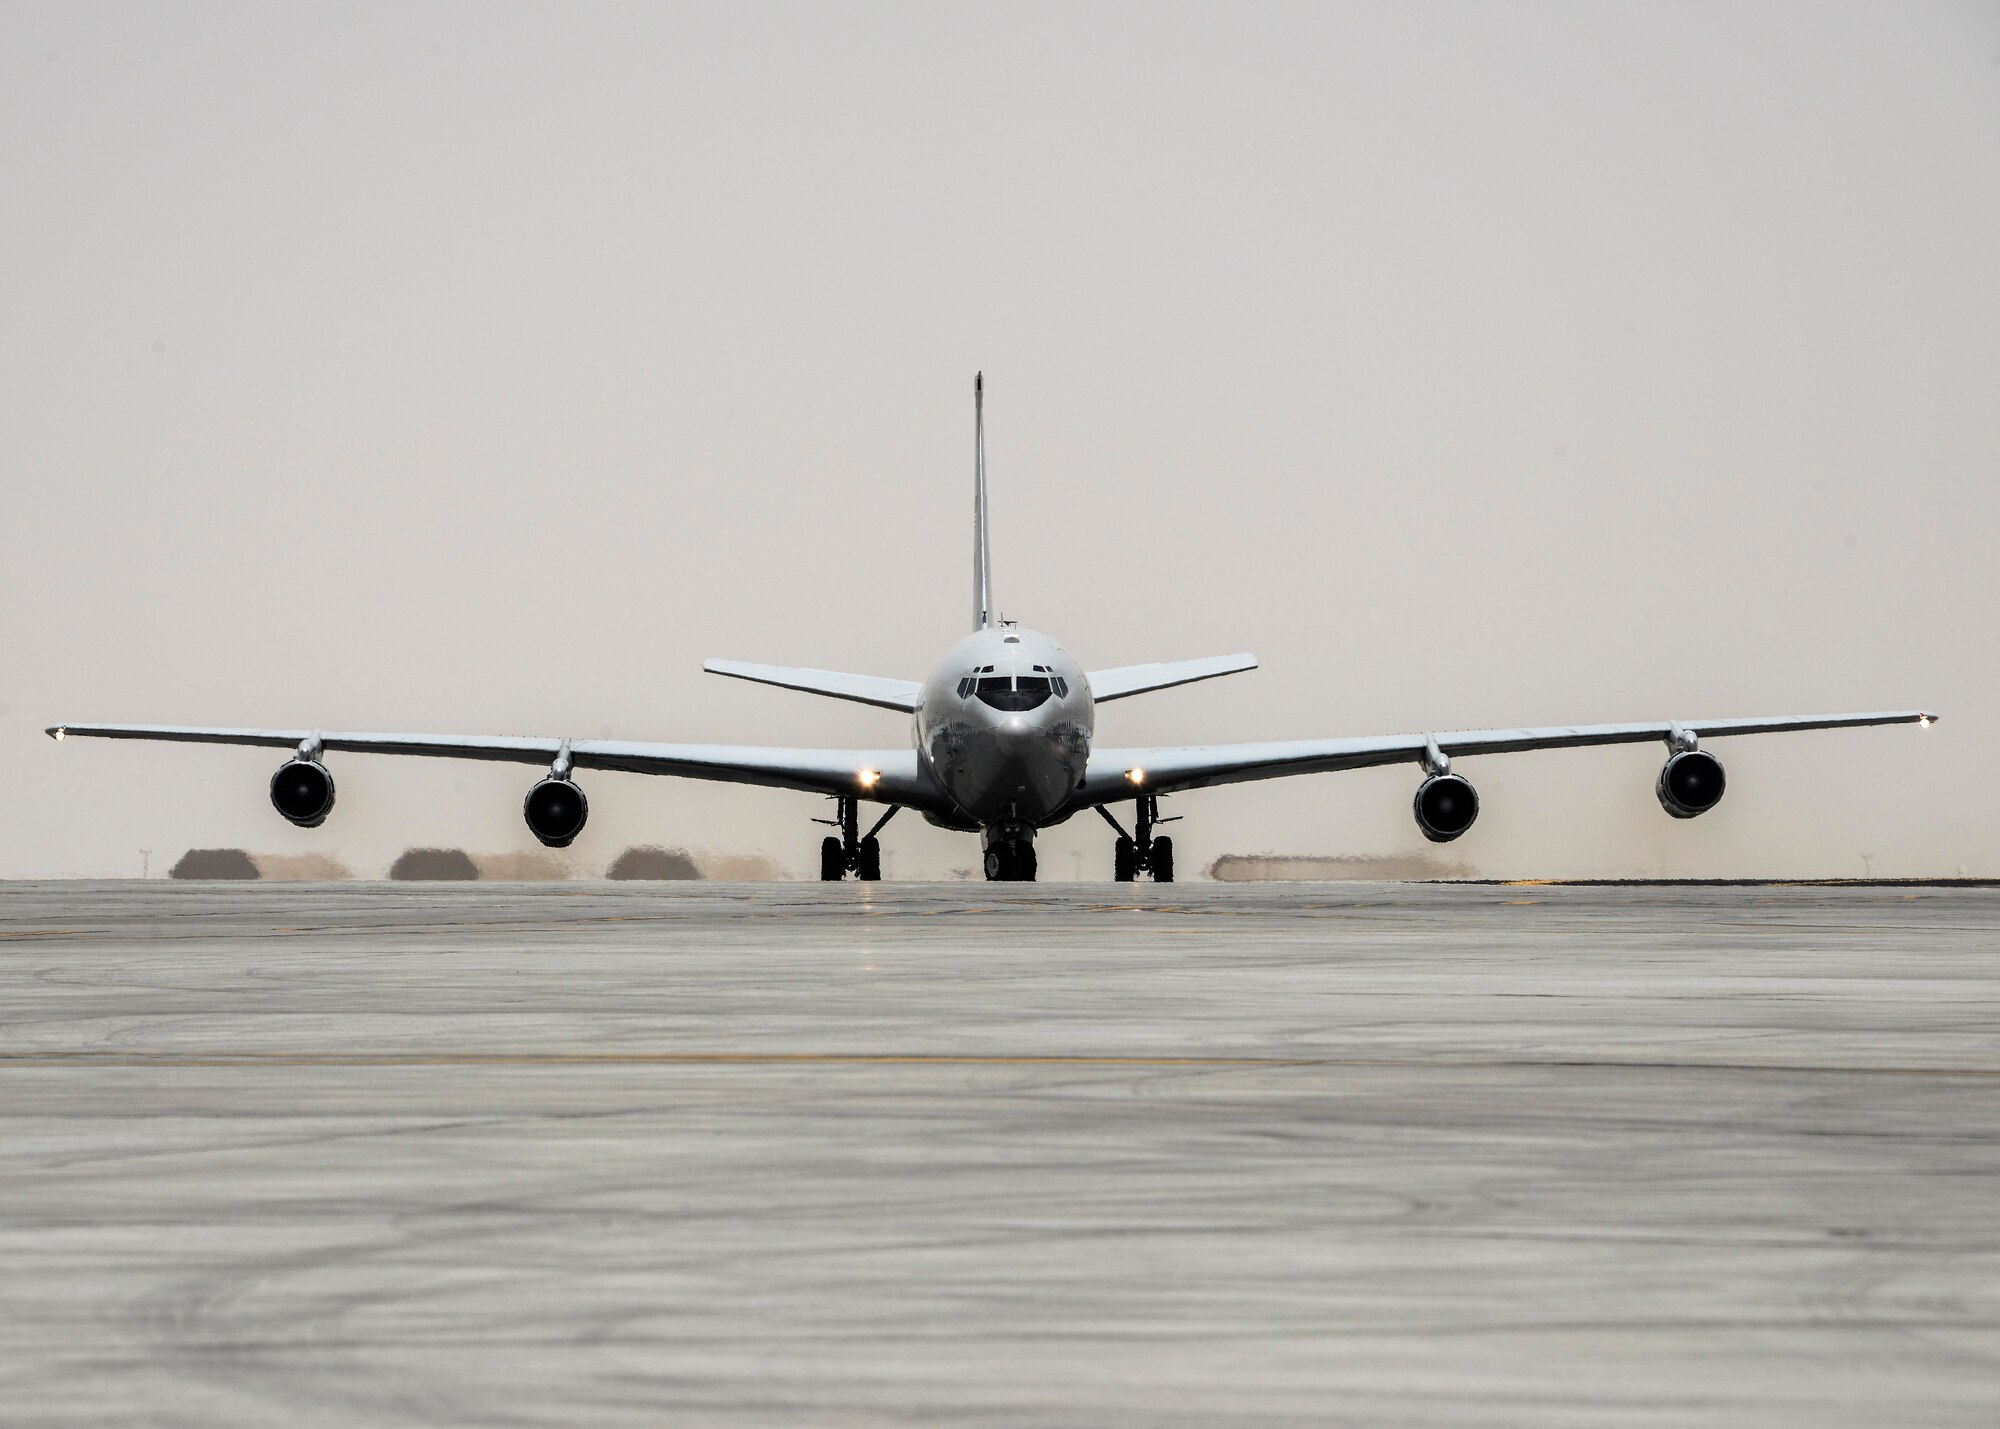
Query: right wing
888	776
1121	773
1137	679
902	695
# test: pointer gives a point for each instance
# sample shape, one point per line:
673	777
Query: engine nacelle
302	791
1446	805
1691	783
556	811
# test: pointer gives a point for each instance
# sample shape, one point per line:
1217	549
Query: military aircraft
1001	746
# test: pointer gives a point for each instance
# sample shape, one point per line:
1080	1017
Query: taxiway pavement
875	1154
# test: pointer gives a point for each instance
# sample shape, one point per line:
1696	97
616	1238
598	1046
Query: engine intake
302	791
1691	784
1446	805
556	812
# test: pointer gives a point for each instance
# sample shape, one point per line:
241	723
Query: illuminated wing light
869	778
1137	776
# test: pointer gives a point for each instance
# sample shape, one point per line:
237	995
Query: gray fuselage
1005	726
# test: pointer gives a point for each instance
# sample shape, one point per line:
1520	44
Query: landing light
1923	722
869	778
1137	776
59	732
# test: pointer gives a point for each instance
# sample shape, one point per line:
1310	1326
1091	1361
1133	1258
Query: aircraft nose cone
1014	733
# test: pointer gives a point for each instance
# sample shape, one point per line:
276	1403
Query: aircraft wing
1121	773
897	777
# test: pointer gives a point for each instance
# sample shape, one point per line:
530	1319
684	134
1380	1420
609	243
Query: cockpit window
1013	693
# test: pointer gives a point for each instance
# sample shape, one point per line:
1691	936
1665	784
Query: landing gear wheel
830	861
869	866
1010	861
1163	860
1124	862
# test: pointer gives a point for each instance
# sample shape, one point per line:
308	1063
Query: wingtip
56	731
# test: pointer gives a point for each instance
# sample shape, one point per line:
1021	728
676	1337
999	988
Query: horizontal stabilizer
1137	679
862	689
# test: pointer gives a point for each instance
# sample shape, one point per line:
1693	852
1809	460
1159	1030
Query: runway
1370	1154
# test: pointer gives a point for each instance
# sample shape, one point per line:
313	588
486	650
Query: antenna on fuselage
982	569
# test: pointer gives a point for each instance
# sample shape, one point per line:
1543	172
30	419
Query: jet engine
1690	784
302	791
556	811
1446	805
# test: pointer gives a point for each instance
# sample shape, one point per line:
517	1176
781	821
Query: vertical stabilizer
982	569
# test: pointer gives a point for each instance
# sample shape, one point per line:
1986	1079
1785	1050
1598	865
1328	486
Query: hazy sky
482	369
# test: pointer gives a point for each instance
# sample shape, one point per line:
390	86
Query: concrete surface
1070	1154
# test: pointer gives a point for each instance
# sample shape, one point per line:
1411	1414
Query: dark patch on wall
434	865
647	861
214	863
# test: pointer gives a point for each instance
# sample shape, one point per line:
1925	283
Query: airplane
1001	746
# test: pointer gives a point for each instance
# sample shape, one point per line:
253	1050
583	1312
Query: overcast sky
483	368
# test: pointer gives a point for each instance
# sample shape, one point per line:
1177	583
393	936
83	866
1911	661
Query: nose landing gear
852	852
1010	854
1139	851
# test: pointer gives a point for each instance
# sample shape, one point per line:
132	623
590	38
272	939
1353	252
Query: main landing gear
1139	851
848	853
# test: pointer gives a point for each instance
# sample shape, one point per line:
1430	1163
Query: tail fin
982	567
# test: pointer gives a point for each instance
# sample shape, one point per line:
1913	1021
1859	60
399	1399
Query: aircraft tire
1163	860
1124	862
870	870
830	861
1010	862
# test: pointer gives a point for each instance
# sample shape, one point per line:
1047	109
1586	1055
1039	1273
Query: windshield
1013	693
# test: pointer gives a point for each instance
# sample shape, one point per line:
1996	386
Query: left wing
1120	773
888	776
